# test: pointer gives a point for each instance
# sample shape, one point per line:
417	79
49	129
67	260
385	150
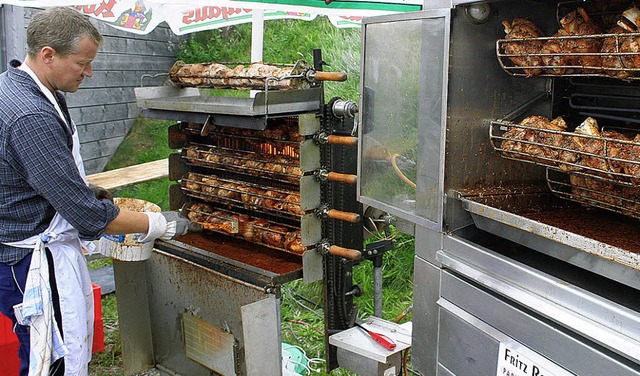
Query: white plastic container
128	247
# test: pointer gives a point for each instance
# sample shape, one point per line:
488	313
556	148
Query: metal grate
618	61
596	191
255	230
549	148
244	195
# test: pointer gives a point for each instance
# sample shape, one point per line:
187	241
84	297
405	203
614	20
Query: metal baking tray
573	242
235	258
192	101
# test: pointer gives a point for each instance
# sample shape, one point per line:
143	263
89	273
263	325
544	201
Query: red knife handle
385	341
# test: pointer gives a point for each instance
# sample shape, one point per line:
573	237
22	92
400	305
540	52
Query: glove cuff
157	226
170	232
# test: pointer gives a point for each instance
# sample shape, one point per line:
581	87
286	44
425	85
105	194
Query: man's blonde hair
61	29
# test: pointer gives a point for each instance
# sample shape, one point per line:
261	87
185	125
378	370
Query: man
47	210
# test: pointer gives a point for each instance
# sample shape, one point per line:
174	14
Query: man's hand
168	225
182	224
101	193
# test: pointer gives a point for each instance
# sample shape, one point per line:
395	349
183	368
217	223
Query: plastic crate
98	324
9	361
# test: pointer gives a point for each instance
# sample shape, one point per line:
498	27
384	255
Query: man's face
67	72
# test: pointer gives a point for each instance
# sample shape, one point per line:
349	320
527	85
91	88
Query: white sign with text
516	360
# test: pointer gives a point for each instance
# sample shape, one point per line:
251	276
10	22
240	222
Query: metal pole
257	39
257	35
377	286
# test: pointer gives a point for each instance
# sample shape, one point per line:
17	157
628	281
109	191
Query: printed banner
136	16
185	19
187	16
346	21
45	3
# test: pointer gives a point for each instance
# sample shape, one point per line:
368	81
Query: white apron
73	283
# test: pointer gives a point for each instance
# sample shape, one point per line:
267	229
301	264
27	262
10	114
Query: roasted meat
272	166
255	230
606	194
238	193
631	154
522	28
574	55
211	219
589	46
623	51
601	153
615	150
594	191
612	64
253	76
541	144
591	148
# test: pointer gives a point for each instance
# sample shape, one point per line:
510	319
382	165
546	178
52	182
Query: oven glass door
403	88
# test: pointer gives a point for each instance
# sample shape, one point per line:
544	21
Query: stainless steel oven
526	255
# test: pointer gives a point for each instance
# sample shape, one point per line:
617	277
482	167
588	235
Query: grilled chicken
592	149
586	26
221	76
631	153
574	51
230	192
524	28
255	230
613	63
256	164
535	142
617	63
615	150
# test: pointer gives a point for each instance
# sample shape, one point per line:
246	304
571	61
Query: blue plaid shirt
38	175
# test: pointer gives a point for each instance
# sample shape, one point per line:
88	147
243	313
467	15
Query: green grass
285	41
147	141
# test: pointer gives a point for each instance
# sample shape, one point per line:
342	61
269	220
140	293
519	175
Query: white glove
159	227
168	225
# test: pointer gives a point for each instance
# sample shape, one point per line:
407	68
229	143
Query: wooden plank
123	177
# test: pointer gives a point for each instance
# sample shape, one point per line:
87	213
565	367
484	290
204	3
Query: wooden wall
104	107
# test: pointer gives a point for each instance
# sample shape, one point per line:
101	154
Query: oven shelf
621	63
604	243
240	194
192	105
258	231
280	168
604	157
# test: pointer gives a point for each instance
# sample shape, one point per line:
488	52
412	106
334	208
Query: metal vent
208	345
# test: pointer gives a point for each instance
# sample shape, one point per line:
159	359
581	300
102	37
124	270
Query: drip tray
595	240
236	258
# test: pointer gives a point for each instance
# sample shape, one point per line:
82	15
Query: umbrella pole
257	38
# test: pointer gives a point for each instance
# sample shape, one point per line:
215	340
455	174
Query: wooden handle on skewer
351	254
343	216
330	76
342	140
342	178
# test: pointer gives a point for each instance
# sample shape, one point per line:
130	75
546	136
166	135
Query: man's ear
47	54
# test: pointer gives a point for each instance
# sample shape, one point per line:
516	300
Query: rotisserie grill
271	177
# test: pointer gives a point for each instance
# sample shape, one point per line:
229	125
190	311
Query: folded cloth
36	311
